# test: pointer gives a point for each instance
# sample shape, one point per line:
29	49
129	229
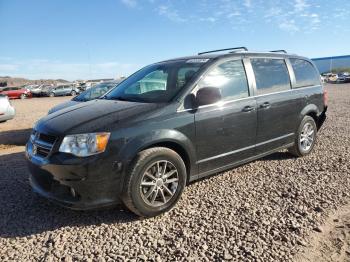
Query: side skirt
239	163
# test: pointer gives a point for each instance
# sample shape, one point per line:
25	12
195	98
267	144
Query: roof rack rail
279	51
226	49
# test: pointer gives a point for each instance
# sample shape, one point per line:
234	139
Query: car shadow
15	137
283	155
24	213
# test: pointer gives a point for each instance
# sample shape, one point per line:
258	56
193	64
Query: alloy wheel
307	137
159	183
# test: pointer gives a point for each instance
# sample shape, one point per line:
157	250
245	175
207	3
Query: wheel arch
179	149
313	111
172	139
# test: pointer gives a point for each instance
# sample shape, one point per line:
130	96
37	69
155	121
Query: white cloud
8	67
239	15
300	5
289	26
43	68
171	13
130	3
247	3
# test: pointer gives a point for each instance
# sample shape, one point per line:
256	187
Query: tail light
325	97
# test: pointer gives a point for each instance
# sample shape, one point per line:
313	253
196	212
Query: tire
137	183
51	94
22	96
73	93
303	147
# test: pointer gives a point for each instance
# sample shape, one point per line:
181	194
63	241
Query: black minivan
174	122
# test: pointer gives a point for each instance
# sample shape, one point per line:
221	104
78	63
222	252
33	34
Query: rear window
305	73
271	75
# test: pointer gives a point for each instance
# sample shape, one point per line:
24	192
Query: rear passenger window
230	77
305	73
271	75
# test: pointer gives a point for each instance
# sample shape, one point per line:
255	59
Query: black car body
191	116
87	95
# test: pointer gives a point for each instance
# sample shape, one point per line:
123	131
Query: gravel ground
263	211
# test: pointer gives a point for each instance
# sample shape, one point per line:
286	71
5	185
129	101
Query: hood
93	116
63	105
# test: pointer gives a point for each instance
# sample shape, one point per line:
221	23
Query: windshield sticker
197	60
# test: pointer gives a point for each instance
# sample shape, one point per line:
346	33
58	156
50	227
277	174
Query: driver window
156	80
230	77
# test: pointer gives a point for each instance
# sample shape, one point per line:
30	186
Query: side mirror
208	95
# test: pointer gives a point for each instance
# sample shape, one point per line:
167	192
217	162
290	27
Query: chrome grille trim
42	148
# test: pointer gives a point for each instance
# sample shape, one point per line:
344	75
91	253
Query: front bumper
73	183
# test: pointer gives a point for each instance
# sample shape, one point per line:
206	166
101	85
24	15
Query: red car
16	92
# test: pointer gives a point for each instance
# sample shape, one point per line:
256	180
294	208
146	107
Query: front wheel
306	137
73	93
155	182
22	96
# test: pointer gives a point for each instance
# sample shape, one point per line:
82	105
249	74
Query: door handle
265	105
247	109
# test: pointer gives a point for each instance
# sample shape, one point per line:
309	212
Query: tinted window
230	77
305	73
271	75
184	75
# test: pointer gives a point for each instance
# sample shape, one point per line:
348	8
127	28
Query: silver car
7	111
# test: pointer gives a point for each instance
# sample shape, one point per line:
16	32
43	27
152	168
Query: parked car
16	92
61	90
7	111
88	95
37	90
343	77
196	116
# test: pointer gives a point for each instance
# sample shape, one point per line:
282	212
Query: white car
7	111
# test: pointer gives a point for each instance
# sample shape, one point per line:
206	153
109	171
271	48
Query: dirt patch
333	243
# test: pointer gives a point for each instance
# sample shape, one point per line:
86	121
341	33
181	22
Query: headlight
85	144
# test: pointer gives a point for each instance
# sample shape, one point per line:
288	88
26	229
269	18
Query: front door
225	131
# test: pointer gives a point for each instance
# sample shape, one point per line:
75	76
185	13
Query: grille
42	143
47	138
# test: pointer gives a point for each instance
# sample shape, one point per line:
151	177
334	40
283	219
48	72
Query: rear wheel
306	137
22	96
156	181
73	93
51	94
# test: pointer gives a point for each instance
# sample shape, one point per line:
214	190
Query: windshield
156	83
96	91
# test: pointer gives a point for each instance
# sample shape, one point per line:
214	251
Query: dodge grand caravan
174	122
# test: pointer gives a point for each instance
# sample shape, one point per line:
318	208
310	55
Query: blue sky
96	39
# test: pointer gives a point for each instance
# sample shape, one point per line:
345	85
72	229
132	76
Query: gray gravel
261	211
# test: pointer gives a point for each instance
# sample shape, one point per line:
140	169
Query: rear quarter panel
312	100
